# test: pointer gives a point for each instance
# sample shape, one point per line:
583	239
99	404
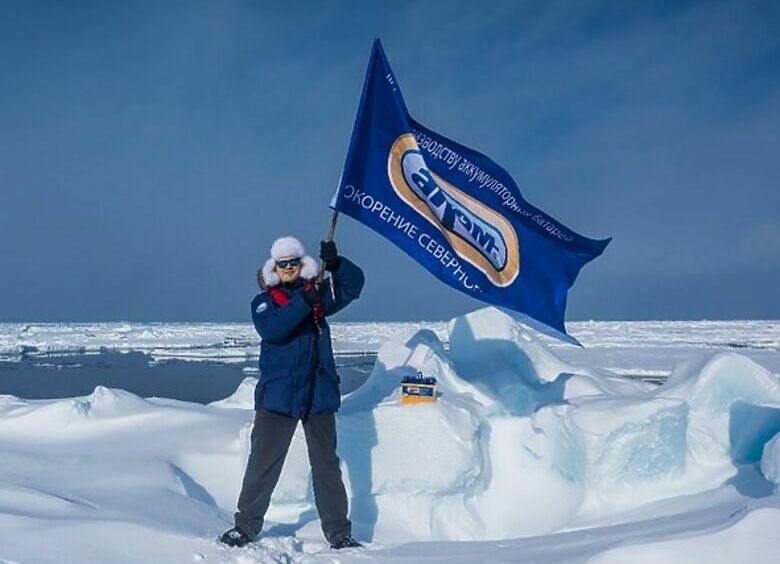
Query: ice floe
520	444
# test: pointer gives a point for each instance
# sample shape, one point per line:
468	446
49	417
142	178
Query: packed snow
770	460
526	456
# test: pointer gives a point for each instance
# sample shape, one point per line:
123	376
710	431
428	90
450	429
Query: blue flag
455	211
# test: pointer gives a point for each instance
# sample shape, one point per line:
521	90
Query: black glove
329	255
313	294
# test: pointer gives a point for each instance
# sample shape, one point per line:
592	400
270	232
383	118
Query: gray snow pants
271	437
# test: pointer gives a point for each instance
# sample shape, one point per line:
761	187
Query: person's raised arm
347	279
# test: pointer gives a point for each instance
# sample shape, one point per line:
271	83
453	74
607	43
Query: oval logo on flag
476	232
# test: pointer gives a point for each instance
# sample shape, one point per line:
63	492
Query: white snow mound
519	443
770	461
242	398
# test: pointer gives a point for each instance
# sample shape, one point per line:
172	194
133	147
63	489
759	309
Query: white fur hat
288	247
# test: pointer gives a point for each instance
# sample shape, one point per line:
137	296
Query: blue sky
151	152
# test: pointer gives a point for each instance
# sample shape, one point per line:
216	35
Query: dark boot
345	542
235	537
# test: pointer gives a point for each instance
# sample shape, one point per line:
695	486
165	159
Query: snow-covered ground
534	452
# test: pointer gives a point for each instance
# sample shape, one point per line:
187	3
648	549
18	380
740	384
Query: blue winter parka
297	370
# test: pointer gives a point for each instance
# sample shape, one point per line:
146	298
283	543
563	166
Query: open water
58	376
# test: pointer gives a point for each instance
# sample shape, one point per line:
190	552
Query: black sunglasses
292	262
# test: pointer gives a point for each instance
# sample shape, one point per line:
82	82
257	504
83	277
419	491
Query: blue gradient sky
151	152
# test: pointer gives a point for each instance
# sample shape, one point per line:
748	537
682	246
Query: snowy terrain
534	452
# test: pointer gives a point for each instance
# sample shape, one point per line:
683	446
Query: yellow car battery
418	389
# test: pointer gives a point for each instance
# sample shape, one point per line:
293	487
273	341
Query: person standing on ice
298	382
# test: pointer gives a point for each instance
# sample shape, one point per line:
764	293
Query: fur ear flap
309	268
270	276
